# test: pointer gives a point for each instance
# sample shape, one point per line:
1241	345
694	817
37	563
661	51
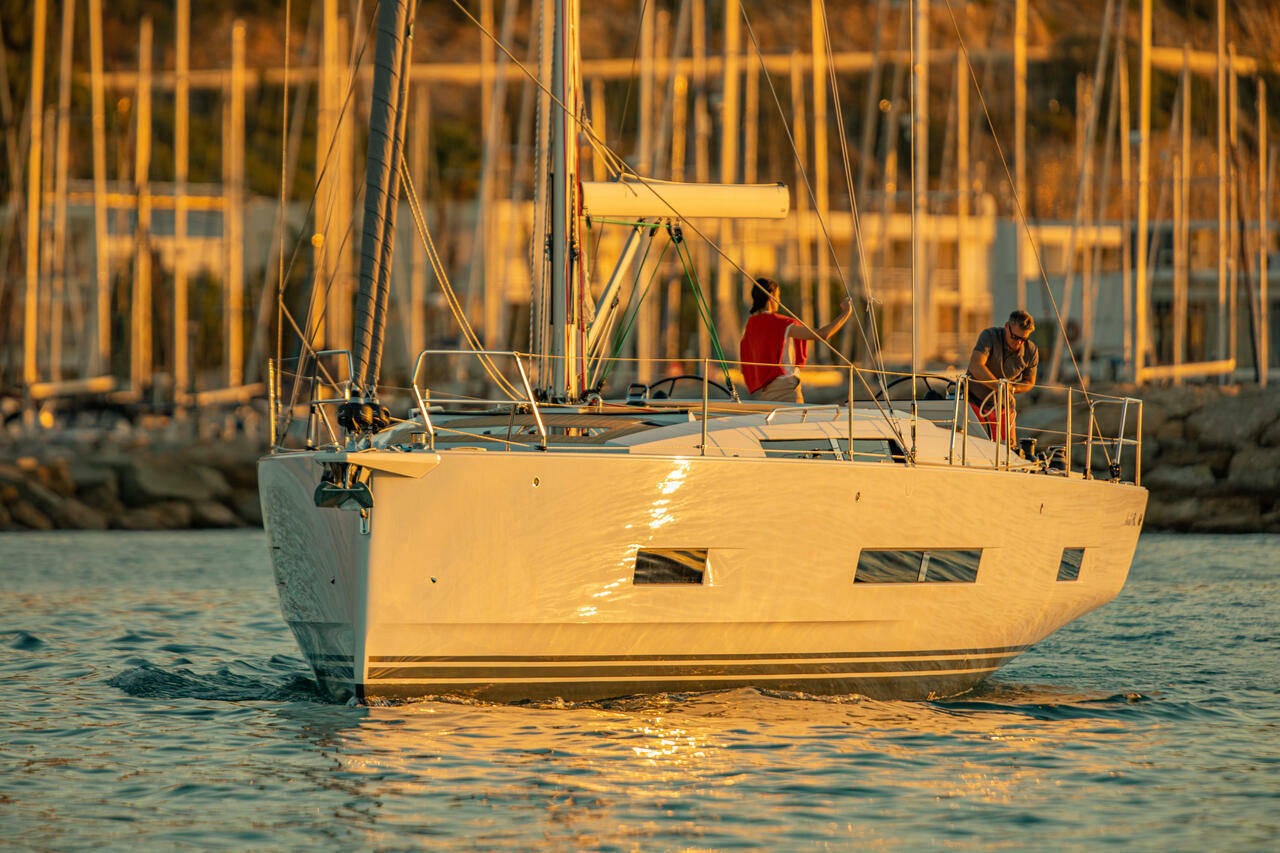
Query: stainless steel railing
486	358
1000	448
325	389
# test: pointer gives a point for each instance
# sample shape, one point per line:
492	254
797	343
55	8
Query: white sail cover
670	199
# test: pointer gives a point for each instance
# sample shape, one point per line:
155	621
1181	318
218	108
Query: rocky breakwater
1210	454
50	486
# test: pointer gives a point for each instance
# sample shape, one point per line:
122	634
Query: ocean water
154	699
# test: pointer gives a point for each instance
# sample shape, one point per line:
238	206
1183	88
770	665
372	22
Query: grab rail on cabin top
1003	457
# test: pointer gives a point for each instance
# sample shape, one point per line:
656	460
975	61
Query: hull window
1069	566
953	566
674	566
923	566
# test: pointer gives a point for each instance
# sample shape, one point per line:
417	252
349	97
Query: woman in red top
774	345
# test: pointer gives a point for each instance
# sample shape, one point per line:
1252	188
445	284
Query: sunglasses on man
1017	337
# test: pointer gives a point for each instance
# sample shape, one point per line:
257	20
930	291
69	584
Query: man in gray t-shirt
1002	352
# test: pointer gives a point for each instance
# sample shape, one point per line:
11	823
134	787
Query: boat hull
509	575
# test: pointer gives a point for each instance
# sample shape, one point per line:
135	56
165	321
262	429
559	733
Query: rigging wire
805	177
624	328
305	340
587	131
455	306
864	270
284	172
704	308
1022	218
635	60
1091	124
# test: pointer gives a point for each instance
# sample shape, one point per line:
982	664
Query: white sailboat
549	543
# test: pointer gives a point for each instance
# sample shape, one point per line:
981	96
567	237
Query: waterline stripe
696	671
835	676
780	656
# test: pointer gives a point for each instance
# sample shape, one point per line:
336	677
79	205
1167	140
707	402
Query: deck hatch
933	565
671	566
818	447
871	450
1069	565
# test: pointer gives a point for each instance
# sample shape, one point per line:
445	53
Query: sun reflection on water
672	757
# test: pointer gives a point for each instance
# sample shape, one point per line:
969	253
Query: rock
174	515
135	519
88	475
71	514
1185	453
1154	416
1151	450
1231	421
213	514
212	479
1256	469
1177	401
1043	422
6	520
1106	418
1271	435
1179	479
1219	461
101	497
1270	521
61	511
247	506
28	516
11	475
162	516
1171	430
8	493
1228	515
243	475
148	481
56	477
1171	514
40	496
239	465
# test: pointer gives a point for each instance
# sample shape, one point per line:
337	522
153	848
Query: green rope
624	330
703	310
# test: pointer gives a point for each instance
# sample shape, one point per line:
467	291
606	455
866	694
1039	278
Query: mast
563	180
381	190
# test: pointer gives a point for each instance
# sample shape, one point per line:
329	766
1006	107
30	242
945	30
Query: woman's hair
760	293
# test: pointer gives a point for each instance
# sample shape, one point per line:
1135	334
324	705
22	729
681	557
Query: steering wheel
987	408
674	379
931	393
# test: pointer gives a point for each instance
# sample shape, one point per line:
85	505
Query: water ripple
22	641
153	682
170	708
